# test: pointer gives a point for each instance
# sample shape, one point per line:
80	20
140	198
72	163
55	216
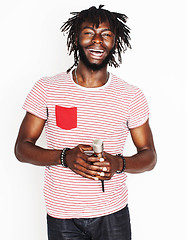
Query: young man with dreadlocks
76	107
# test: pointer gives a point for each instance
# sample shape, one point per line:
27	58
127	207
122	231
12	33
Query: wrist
122	163
63	157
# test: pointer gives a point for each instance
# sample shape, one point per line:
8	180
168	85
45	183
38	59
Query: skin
26	150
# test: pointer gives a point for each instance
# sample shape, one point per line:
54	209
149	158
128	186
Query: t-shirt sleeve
35	102
138	110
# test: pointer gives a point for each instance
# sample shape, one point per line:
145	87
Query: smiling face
96	45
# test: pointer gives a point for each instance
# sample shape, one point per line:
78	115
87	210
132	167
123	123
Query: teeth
97	51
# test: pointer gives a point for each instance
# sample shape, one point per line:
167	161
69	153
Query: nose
97	39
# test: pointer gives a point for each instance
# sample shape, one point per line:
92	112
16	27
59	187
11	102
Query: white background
32	46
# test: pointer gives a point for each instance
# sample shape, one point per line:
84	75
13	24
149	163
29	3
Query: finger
93	159
95	170
86	166
102	164
97	176
105	169
96	159
105	176
84	147
101	159
83	174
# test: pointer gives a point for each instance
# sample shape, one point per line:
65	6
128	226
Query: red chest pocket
66	118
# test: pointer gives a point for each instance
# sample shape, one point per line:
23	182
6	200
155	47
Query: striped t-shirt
78	115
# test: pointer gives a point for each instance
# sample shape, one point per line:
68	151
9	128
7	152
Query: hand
80	163
108	167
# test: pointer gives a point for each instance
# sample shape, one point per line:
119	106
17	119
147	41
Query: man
76	107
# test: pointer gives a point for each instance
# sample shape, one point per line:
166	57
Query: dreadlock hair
96	16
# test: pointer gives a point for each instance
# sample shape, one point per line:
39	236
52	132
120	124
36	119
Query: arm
27	151
25	148
144	160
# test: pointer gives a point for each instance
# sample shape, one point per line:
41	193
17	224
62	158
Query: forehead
102	25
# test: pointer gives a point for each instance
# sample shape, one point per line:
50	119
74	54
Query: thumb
84	147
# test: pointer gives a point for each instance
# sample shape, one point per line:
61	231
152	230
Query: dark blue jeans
115	226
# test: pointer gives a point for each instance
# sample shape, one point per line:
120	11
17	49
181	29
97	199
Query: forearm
28	152
144	160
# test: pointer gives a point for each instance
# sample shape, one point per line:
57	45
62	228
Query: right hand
78	162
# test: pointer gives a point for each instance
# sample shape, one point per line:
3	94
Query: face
96	45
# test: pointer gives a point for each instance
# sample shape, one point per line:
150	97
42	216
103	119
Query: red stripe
105	113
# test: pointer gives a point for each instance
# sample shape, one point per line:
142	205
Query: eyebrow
105	29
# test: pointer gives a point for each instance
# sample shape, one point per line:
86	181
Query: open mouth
97	53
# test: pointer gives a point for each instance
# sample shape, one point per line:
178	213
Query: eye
88	33
106	34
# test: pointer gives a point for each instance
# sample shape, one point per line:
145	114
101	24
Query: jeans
115	226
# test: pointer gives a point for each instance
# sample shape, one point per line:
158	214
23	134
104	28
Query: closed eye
106	35
88	33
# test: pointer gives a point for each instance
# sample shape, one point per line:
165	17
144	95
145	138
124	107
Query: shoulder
60	77
123	86
53	82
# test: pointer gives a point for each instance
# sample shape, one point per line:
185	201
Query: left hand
108	167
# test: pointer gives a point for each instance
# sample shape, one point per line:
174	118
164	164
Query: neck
90	78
